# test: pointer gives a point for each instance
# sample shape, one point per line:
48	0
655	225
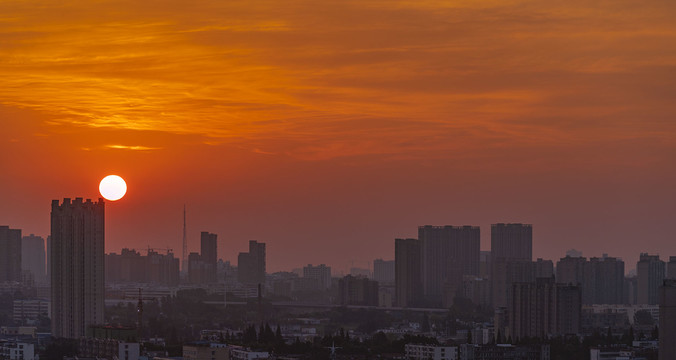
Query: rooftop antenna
184	266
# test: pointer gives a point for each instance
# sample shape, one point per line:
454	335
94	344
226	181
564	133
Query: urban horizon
193	246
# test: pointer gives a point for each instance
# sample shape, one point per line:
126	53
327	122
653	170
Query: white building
11	350
431	352
598	354
238	353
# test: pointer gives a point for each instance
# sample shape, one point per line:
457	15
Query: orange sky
328	128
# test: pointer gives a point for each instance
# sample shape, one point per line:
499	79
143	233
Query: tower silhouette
184	264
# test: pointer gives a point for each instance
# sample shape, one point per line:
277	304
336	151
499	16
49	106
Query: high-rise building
251	265
320	272
77	264
448	253
671	268
570	270
485	264
196	268
601	279
650	274
512	241
162	269
667	320
10	254
543	268
511	258
544	308
33	257
358	291
506	273
209	253
131	267
383	271
606	275
407	272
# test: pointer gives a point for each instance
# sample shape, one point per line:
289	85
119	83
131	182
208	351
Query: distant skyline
326	130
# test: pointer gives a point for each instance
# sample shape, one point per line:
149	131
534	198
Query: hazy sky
328	128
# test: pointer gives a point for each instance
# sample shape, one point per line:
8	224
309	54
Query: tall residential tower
77	266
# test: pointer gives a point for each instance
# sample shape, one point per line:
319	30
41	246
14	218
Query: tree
425	323
643	317
279	339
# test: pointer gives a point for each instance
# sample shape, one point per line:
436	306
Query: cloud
134	147
355	77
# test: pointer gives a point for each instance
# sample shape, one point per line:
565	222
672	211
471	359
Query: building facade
430	352
209	253
383	271
320	272
544	308
650	271
77	266
667	320
407	272
33	257
358	291
251	265
448	253
512	241
10	254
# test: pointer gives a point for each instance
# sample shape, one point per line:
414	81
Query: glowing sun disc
113	187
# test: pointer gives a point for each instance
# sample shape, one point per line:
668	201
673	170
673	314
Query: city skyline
368	264
341	126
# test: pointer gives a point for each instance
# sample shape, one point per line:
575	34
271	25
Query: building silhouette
131	267
650	274
358	291
512	241
506	273
544	308
33	257
600	279
448	253
196	269
511	258
407	272
251	265
383	271
209	254
671	268
77	264
10	254
606	278
321	273
667	320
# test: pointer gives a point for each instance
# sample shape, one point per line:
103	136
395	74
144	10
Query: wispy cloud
349	77
134	147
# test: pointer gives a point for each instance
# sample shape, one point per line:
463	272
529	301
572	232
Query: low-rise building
614	354
26	311
12	350
108	349
504	351
206	351
241	353
430	352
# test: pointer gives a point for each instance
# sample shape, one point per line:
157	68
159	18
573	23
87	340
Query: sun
113	187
